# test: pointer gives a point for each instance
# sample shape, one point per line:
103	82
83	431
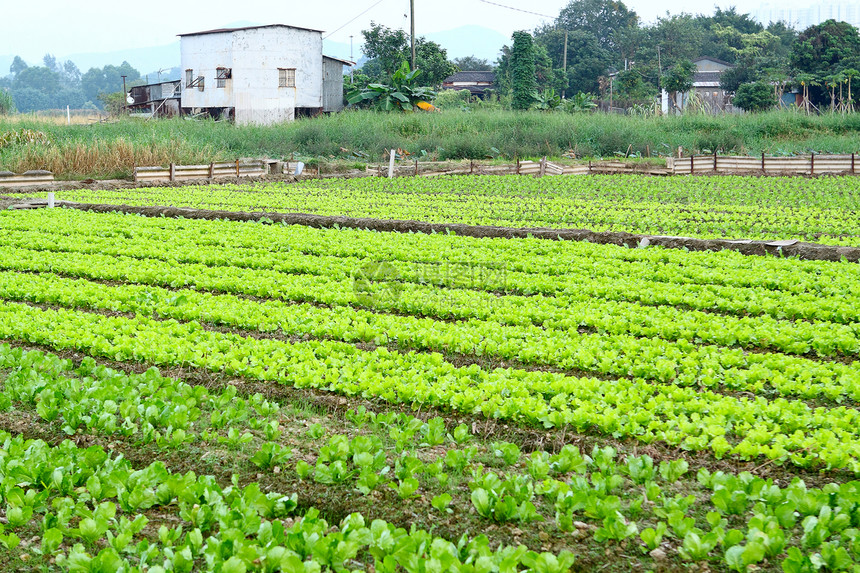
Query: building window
221	77
189	78
286	77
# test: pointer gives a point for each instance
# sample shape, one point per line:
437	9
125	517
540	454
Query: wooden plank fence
256	168
696	164
526	167
801	165
9	179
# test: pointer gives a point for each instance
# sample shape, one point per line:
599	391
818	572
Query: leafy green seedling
441	503
672	471
270	455
652	537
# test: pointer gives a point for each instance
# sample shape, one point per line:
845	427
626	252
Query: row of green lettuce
536	265
620	355
714	207
785	431
90	509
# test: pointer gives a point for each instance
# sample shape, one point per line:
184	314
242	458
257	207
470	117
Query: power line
354	19
517	9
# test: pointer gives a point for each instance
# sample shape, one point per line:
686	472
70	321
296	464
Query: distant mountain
142	59
475	41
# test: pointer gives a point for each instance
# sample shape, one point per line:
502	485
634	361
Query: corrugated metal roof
344	62
706	77
228	30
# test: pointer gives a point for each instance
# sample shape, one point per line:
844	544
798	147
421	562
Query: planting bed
820	210
344	399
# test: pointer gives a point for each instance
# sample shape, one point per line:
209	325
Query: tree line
601	47
55	85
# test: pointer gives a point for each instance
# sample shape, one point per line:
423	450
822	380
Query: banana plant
402	94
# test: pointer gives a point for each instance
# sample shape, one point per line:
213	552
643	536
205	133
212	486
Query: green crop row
541	266
91	509
695	419
714	207
681	363
95	507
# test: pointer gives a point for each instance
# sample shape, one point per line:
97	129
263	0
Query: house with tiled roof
479	83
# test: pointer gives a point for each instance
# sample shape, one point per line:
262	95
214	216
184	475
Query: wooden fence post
852	164
212	170
172	172
518	165
237	168
692	167
812	164
542	171
715	161
762	161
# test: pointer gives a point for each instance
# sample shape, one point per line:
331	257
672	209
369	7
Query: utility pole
350	58
564	65
124	95
660	78
412	26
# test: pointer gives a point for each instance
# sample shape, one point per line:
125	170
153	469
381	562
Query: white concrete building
259	74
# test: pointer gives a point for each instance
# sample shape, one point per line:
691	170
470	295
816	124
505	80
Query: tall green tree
824	50
679	38
586	60
679	79
387	49
604	19
522	71
97	81
755	97
472	64
37	78
18	65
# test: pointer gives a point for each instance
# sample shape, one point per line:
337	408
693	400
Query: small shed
706	83
161	99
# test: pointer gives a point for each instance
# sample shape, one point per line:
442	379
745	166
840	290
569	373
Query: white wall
254	55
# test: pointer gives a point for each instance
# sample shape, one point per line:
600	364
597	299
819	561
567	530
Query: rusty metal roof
228	30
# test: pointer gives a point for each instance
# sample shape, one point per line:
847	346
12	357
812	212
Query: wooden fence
697	164
801	165
9	179
535	168
256	168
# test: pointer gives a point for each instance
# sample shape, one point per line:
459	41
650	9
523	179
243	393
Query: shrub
755	97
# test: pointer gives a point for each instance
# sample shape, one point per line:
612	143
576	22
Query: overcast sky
53	26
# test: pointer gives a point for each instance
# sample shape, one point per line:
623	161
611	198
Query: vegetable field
188	395
821	210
